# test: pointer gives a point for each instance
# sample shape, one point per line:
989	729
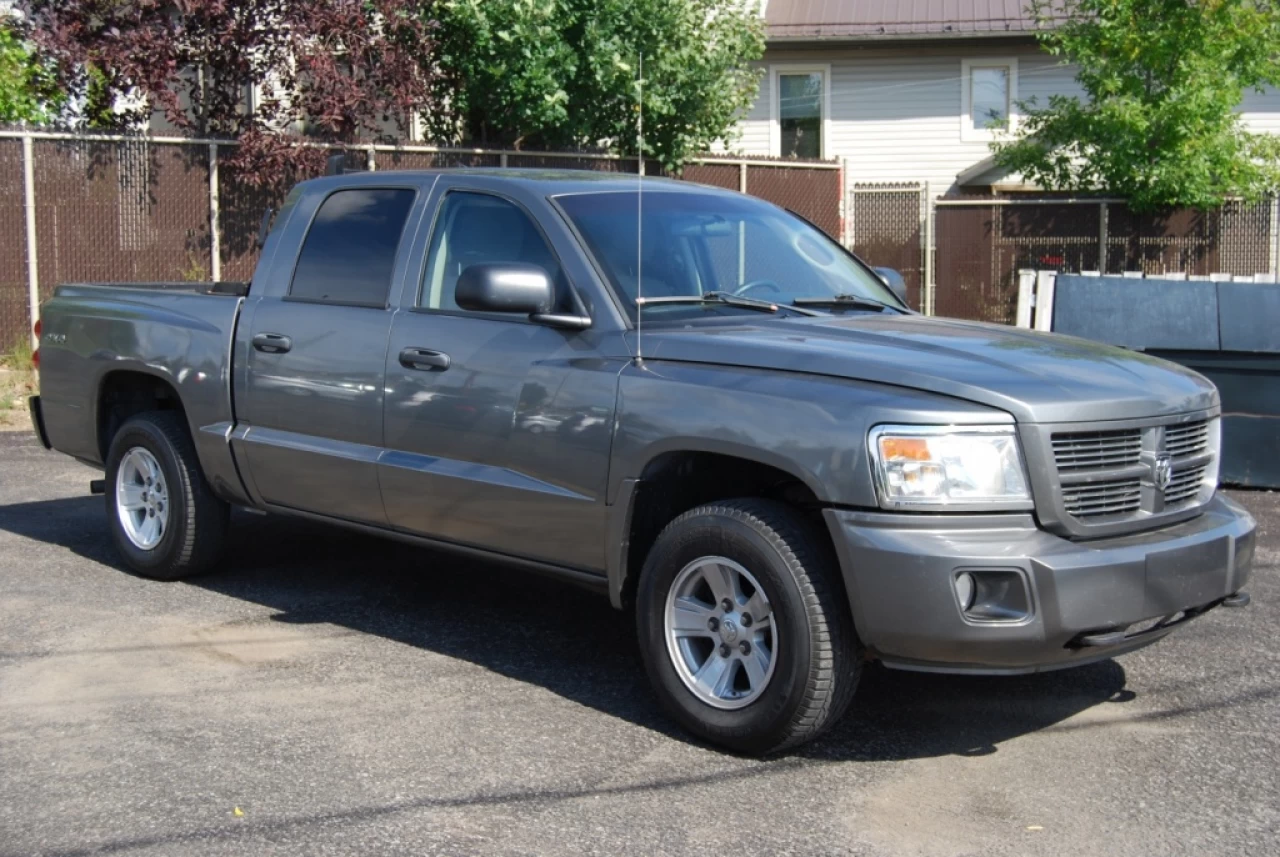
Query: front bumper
899	571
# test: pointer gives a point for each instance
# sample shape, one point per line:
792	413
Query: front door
497	429
316	361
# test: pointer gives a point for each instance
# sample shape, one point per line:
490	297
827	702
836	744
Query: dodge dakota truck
686	398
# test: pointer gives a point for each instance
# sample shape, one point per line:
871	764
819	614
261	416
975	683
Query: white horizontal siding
1261	111
895	113
754	128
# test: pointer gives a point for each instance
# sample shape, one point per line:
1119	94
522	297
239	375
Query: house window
800	110
987	97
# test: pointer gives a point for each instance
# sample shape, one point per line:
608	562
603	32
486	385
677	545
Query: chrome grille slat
1097	450
1185	440
1103	498
1184	485
1096	470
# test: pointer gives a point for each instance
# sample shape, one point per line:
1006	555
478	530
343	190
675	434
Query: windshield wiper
842	301
722	298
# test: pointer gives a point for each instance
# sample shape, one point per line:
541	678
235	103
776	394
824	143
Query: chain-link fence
120	209
960	256
886	227
15	301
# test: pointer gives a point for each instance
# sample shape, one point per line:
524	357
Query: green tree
28	92
1158	123
563	73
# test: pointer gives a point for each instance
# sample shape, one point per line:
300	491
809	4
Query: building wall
895	113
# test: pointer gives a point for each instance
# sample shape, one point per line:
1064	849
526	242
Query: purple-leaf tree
278	76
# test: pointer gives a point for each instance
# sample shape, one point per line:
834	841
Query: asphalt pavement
330	693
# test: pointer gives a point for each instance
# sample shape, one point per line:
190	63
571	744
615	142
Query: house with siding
908	91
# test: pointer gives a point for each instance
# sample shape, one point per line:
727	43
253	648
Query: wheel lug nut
724	650
746	620
727	605
713	623
745	647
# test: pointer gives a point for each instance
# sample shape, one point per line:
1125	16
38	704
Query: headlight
959	467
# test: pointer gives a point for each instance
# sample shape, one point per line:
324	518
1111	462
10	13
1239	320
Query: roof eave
852	38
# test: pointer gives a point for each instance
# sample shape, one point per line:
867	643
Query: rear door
313	387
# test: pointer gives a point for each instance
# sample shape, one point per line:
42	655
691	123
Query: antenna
639	207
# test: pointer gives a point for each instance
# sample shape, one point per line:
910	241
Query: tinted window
475	228
350	250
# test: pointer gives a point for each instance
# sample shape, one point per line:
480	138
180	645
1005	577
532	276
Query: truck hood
1036	377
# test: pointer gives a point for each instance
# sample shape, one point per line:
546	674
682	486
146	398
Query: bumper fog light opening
993	595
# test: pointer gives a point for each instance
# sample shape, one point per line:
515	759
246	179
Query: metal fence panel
812	193
885	231
1231	240
398	159
113	211
128	209
727	176
14	303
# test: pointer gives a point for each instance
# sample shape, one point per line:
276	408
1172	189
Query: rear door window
349	254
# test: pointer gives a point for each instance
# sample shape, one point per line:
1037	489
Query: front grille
1184	485
1190	439
1097	450
1103	498
1111	476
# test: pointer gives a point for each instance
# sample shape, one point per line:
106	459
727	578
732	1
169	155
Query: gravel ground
328	693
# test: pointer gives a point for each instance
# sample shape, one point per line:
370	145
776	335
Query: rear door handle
272	343
424	359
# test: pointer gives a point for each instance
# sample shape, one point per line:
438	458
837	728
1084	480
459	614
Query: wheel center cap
728	630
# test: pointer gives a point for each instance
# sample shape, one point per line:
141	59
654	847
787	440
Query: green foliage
28	92
1163	80
563	73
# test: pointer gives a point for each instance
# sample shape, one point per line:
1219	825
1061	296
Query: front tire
164	519
744	629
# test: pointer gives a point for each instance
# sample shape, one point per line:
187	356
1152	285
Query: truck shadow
562	638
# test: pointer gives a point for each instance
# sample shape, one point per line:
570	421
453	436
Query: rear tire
165	520
762	556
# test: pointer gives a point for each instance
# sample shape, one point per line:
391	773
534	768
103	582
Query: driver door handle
272	343
424	359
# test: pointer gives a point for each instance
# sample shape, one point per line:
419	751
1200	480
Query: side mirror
894	281
505	287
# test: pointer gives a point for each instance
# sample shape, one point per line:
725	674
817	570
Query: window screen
473	229
350	251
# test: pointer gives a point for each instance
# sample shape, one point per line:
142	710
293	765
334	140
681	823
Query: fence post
1273	262
847	201
373	159
1046	282
930	287
29	204
742	177
1102	236
215	235
1026	296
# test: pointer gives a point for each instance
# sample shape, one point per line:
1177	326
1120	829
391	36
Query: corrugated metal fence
111	209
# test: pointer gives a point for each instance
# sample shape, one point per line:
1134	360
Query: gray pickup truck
685	398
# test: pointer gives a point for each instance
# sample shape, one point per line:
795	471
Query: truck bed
180	334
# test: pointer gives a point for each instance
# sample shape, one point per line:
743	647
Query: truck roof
540	180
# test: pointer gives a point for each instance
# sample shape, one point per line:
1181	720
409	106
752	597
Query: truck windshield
691	244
